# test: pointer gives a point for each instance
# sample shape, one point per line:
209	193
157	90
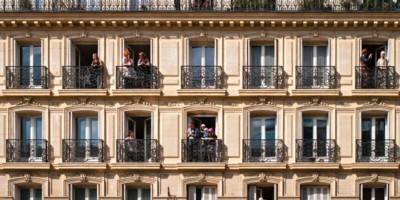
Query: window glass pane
307	129
209	56
366	194
79	194
380	129
38	194
199	193
81	127
37	56
255	55
25	56
196	56
92	194
146	194
366	125
379	193
24	194
321	55
269	55
132	194
94	129
39	128
308	56
256	124
270	129
26	128
321	129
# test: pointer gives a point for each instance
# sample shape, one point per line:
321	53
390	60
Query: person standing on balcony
382	62
193	141
129	73
96	75
366	70
210	145
382	72
131	147
144	68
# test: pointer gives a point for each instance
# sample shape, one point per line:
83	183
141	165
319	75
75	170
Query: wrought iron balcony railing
263	77
200	150
259	150
20	150
200	5
83	77
376	151
137	77
26	77
316	150
376	77
78	150
316	77
202	77
137	150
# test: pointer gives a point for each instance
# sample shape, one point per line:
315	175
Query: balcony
262	150
82	77
376	151
201	5
202	77
26	77
138	150
199	150
20	150
316	77
263	77
80	150
376	77
137	77
316	151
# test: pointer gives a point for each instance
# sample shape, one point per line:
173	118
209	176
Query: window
137	193
28	194
262	71
262	137
84	193
87	138
315	55
30	60
31	138
374	135
315	193
374	193
262	55
203	69
315	135
202	193
256	192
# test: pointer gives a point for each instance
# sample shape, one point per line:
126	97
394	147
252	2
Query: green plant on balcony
253	5
348	4
26	5
314	5
378	5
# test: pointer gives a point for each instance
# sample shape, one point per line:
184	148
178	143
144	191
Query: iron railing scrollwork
202	77
316	150
83	77
376	77
263	77
200	150
81	150
26	150
199	5
376	150
137	150
263	150
26	77
316	77
137	77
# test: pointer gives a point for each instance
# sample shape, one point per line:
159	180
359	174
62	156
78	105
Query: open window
81	51
84	192
135	46
201	192
266	191
374	191
209	119
28	192
315	192
375	46
137	192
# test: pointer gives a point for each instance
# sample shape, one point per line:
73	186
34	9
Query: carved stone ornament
315	177
264	177
315	101
263	101
315	34
201	101
28	101
83	177
83	101
262	34
84	34
375	177
27	177
137	34
202	34
28	34
375	101
137	178
202	177
137	101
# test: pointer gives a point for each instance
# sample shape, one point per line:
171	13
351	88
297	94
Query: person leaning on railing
193	141
365	63
129	72
209	140
94	76
131	146
144	67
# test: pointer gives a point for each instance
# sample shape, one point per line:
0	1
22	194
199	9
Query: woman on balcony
94	75
145	70
366	71
129	72
382	62
209	140
131	147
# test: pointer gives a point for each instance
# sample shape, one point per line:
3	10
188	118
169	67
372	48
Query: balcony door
263	71
137	193
31	138
139	5
315	193
84	193
202	193
203	72
87	138
31	71
374	193
29	194
315	137
374	138
263	137
255	193
141	126
315	70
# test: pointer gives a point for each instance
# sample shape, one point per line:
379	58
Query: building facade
296	113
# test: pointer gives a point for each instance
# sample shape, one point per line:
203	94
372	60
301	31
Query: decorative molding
263	177
55	104
374	177
375	101
315	177
137	178
83	177
28	101
27	177
201	101
84	101
263	101
202	177
138	101
315	101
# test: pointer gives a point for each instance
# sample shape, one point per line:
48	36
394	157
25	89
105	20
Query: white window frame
314	188
263	119
203	62
87	192
315	133
33	136
386	187
74	133
373	133
262	59
31	61
192	194
17	192
252	192
139	191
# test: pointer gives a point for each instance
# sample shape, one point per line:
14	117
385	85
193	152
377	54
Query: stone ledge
375	92
141	166
26	92
26	165
202	165
380	166
316	92
265	165
81	165
201	92
314	166
262	92
136	92
82	92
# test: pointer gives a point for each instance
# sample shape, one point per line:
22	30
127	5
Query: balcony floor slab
135	165
80	165
82	92
262	92
26	92
202	165
377	165
262	165
375	92
314	166
202	92
136	92
26	165
316	92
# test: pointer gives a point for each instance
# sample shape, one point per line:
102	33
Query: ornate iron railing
76	150
200	150
137	77
316	150
19	150
137	150
200	5
376	77
26	77
262	150
83	77
202	77
316	77
263	77
376	151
